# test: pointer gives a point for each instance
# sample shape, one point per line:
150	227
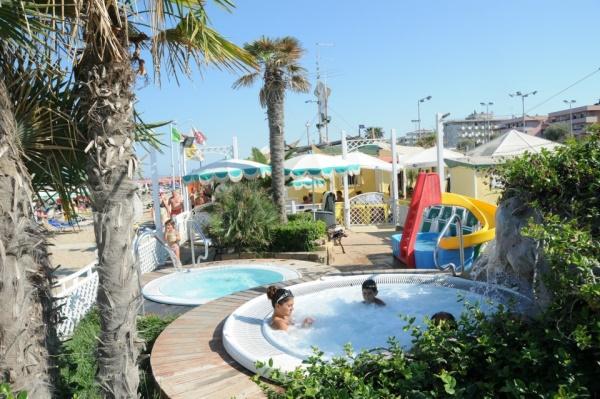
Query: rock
513	260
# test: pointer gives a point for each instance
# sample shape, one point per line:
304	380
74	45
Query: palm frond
299	83
246	80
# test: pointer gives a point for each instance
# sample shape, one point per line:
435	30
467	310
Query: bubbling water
341	317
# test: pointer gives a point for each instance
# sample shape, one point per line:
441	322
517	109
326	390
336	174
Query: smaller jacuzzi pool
198	286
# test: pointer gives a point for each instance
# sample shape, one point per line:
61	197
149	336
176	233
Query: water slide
426	194
483	211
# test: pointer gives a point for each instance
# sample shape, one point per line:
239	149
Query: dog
336	233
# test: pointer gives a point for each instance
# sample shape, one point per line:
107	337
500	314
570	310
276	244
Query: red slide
426	193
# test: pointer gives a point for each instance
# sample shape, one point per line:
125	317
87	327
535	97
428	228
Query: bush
77	360
298	235
243	218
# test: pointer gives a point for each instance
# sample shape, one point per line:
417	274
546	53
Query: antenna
322	93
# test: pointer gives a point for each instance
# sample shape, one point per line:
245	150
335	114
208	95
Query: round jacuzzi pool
340	316
198	286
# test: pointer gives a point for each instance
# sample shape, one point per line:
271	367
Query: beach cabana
511	144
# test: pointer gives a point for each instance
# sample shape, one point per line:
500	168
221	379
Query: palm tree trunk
25	272
276	143
106	103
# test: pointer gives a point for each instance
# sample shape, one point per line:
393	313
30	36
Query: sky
380	57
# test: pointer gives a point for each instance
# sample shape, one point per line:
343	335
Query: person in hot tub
283	305
369	293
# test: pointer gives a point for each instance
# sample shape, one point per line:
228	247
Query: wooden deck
188	359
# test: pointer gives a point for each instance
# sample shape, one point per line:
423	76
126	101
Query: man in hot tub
369	293
283	305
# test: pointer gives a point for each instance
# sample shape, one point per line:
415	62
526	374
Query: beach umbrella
318	165
307	183
367	161
226	170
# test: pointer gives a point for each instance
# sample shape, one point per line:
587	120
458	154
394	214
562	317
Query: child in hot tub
283	305
369	293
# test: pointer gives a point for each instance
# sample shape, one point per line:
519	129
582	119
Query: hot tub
198	286
341	317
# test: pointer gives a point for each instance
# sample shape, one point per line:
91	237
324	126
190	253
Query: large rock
513	260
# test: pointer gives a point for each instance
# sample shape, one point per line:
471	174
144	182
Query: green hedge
298	235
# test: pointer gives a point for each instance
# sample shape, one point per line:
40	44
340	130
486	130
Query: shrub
298	234
243	218
77	360
6	392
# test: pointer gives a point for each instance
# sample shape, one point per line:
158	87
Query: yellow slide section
483	211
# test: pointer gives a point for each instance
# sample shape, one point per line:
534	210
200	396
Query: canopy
318	165
307	183
427	158
232	170
512	143
367	161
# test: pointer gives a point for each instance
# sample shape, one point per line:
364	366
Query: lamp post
570	102
523	95
487	117
307	133
422	100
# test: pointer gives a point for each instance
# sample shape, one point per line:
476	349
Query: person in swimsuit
283	305
369	293
175	205
172	236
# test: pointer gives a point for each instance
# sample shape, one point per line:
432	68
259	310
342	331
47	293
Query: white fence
76	294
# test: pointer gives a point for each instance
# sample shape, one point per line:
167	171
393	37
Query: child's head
282	300
169	224
446	318
369	290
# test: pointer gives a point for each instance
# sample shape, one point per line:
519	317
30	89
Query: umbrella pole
313	199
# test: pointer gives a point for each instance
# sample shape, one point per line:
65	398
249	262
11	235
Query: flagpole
172	158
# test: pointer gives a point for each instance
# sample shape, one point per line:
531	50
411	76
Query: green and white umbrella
318	165
307	183
225	170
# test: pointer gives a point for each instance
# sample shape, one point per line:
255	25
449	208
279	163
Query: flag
190	152
175	135
200	137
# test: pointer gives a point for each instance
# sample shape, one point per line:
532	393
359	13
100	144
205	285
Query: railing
451	265
74	296
147	247
194	229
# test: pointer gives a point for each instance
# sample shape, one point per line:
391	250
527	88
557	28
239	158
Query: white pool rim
245	342
152	290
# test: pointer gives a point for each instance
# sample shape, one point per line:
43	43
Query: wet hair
438	317
369	284
278	295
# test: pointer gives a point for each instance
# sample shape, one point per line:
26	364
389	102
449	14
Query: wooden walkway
188	359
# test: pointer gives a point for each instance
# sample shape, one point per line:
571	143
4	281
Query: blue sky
385	56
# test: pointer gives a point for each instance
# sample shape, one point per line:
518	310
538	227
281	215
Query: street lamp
422	100
523	95
307	133
487	116
570	102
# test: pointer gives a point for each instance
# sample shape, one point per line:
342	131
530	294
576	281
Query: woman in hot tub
283	305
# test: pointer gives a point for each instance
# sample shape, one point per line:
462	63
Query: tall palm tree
106	76
278	59
26	306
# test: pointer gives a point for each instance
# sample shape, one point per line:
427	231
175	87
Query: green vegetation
558	132
554	355
78	364
427	141
298	235
244	217
6	392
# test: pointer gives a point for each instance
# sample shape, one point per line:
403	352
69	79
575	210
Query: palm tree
25	298
278	59
105	74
